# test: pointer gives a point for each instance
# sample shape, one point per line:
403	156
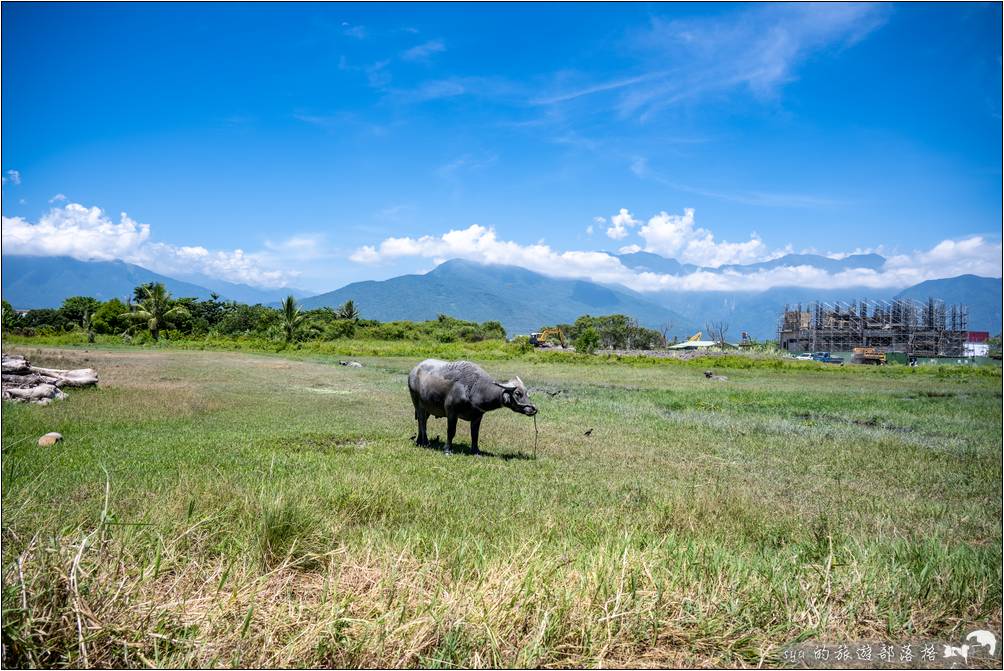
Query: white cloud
87	233
589	230
365	254
481	244
13	177
621	222
57	198
477	243
974	255
77	231
676	236
422	51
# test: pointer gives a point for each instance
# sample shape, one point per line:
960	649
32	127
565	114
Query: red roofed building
976	343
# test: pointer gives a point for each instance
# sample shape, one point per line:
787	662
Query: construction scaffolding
901	325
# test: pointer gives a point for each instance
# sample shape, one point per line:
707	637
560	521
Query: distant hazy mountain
244	293
521	299
647	261
660	264
45	281
870	261
981	294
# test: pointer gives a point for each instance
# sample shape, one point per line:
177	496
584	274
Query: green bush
521	344
339	328
615	332
74	308
108	317
588	341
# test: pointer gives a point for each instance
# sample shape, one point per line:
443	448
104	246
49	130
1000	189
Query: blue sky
331	143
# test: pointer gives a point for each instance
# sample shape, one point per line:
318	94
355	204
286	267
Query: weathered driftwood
29	380
15	364
36	393
82	377
27	383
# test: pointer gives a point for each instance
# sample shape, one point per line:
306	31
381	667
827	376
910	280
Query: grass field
221	509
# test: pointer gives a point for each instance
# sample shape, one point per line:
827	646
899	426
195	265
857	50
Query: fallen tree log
23	382
29	380
82	377
15	364
35	393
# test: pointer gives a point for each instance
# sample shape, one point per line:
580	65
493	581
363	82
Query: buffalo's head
516	398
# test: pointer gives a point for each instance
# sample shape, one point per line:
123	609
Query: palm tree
154	307
348	311
291	318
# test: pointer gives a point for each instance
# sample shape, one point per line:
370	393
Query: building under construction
919	329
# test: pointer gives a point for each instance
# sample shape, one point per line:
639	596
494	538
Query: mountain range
521	299
45	281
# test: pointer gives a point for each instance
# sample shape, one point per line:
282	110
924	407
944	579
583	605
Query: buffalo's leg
475	428
423	421
451	431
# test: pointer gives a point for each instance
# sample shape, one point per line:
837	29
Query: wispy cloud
466	162
640	167
394	213
613	85
12	177
423	51
435	89
495	88
342	120
377	73
357	32
758	50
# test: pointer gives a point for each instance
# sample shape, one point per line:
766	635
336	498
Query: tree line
151	313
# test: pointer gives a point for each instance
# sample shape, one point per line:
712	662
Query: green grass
271	510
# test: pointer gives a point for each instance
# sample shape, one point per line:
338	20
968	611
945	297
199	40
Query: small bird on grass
588	433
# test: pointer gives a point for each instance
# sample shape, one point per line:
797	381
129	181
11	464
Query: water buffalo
461	390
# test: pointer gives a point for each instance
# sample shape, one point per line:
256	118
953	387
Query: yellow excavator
546	338
696	337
